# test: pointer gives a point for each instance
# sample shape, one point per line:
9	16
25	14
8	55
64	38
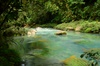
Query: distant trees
47	11
52	11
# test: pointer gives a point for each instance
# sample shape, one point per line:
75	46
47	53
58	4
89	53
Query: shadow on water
59	47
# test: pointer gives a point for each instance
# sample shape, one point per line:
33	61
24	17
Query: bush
14	31
86	26
4	62
88	30
92	55
91	27
61	26
49	25
9	57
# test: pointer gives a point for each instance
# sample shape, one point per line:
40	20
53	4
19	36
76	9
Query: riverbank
81	26
84	26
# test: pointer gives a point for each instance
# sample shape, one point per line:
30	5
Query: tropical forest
49	32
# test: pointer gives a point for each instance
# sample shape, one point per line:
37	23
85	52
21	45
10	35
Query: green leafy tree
9	11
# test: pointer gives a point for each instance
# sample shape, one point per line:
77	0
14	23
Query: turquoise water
60	47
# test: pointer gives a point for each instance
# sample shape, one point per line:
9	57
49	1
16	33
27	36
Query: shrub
10	57
49	25
92	55
91	27
61	26
88	30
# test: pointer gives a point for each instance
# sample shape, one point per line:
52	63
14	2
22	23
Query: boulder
38	28
61	33
78	28
31	32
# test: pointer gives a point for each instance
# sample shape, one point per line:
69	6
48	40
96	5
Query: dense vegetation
16	14
8	12
81	26
32	12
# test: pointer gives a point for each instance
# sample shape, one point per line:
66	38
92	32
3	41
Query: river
59	47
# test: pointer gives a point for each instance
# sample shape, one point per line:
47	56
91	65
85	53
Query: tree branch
4	21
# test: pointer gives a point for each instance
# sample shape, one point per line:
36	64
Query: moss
74	61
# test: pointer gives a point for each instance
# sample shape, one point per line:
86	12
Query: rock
78	28
60	33
31	32
38	28
69	28
74	61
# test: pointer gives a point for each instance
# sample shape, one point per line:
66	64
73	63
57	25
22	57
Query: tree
8	11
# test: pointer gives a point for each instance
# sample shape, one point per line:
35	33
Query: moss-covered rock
74	61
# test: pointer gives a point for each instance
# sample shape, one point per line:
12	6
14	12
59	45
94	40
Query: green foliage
51	7
93	55
86	26
50	25
61	26
91	27
5	62
9	57
76	10
14	31
9	10
51	11
88	30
